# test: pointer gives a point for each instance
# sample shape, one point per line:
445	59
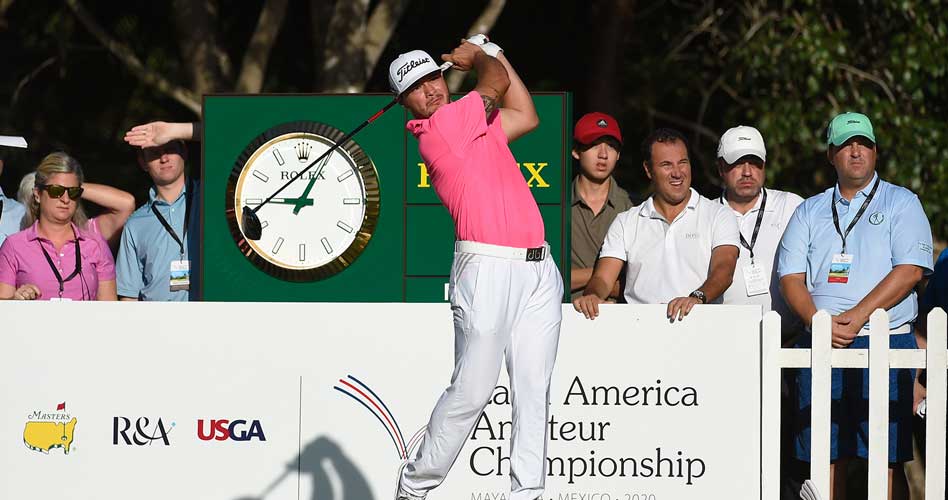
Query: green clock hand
309	186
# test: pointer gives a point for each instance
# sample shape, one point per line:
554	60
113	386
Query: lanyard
59	277
187	214
760	219
1	208
865	205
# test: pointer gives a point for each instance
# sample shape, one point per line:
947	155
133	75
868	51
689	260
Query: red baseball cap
592	126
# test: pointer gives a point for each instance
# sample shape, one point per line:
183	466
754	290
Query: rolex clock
319	224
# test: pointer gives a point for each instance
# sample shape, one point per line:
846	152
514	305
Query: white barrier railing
821	358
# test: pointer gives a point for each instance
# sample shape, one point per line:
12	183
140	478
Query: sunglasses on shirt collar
56	191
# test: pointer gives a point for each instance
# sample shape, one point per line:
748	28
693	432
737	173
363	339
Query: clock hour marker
279	157
279	243
345	227
302	252
260	175
345	175
253	201
326	245
264	224
351	201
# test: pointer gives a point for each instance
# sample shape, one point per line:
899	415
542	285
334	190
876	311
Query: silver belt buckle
535	254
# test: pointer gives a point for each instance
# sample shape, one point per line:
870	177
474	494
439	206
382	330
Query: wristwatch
698	294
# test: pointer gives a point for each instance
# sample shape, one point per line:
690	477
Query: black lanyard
59	277
187	214
760	219
865	205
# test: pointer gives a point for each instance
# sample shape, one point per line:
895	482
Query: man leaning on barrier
859	246
678	247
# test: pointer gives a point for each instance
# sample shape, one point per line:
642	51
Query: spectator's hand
846	327
27	292
680	307
149	135
588	305
462	56
919	393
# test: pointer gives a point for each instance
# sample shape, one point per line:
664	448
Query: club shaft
326	153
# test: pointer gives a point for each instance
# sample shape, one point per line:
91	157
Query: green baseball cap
848	125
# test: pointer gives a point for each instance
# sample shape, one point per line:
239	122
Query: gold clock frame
368	176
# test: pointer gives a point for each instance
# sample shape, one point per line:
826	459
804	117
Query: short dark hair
660	135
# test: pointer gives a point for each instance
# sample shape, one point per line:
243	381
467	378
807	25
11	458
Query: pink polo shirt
22	262
476	176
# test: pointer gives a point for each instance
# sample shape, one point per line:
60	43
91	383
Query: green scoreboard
365	224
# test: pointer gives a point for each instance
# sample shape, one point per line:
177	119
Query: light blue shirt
143	266
10	217
892	231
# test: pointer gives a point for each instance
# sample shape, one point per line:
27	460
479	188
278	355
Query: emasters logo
234	430
143	431
49	429
362	394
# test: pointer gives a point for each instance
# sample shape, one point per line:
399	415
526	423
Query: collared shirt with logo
777	212
147	249
22	262
893	230
588	229
476	176
665	260
10	216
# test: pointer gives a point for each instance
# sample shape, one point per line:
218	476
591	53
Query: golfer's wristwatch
698	294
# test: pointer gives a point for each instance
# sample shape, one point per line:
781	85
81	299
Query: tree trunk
207	64
343	68
612	21
382	24
484	23
254	64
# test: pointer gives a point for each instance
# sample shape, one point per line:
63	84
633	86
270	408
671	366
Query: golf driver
250	223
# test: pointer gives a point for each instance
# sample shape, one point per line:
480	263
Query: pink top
476	175
22	262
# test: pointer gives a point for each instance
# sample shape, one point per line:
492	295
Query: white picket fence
821	358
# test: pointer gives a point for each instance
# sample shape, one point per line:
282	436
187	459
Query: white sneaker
399	494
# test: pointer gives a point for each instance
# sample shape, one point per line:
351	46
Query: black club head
250	223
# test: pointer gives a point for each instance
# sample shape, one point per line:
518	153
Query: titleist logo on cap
743	138
410	65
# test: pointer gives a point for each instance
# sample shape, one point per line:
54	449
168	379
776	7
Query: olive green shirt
588	230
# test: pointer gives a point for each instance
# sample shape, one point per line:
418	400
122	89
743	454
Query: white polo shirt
664	261
777	212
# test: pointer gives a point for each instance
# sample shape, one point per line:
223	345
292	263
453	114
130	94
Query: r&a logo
235	430
142	434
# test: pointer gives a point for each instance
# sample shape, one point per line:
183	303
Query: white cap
408	68
740	141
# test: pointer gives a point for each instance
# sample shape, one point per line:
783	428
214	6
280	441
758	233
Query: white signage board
217	401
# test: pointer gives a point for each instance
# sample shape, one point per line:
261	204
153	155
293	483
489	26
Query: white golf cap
408	68
740	141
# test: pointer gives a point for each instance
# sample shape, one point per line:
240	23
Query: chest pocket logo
691	236
876	218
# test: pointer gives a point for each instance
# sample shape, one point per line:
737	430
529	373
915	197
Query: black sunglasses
56	191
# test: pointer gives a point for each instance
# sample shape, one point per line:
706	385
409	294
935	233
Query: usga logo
235	430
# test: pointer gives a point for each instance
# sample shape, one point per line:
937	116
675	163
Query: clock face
319	224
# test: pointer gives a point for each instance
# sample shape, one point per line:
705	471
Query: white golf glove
489	48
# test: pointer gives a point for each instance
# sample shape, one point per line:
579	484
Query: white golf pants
504	308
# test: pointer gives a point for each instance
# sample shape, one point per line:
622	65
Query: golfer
505	289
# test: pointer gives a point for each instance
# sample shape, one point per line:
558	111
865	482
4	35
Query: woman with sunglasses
57	258
118	206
